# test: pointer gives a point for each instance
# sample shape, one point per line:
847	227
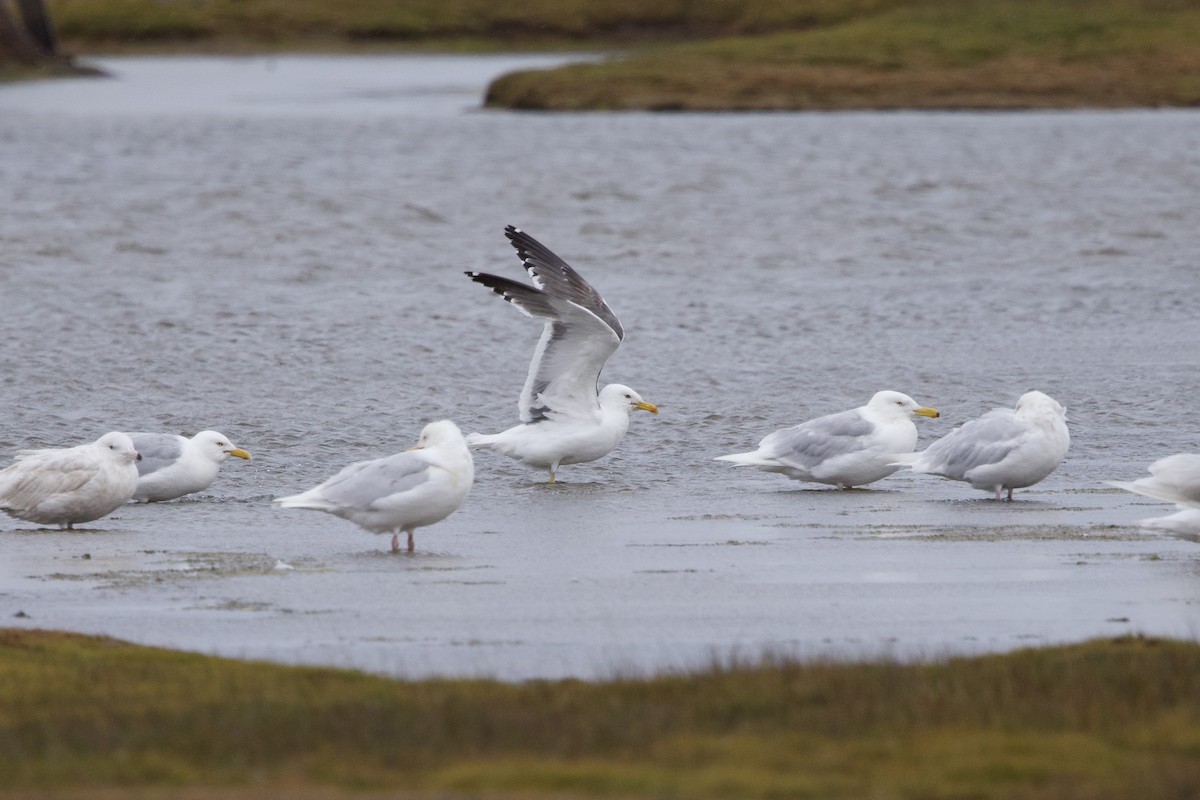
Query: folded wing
361	486
809	444
158	450
984	441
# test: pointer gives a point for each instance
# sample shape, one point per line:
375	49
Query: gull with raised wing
846	449
173	466
399	493
64	486
565	417
1005	449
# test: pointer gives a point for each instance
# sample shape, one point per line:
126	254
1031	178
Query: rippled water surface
274	248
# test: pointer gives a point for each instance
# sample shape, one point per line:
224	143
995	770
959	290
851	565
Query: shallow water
274	248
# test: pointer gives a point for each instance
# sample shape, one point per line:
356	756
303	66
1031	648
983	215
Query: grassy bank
920	54
82	716
721	54
92	24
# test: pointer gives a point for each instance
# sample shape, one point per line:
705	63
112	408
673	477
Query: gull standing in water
73	484
847	449
1004	449
565	418
400	493
173	466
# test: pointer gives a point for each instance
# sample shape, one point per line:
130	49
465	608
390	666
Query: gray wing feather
987	440
813	442
558	278
530	301
158	450
579	336
364	483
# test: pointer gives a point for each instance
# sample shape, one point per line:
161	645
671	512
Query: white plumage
399	493
566	418
65	486
1005	449
1176	479
172	466
1185	520
847	449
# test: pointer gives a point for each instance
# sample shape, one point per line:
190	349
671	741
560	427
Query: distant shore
719	54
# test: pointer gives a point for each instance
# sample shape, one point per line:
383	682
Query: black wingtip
516	235
483	279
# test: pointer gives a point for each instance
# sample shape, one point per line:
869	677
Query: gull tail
1151	489
902	459
302	500
748	460
481	439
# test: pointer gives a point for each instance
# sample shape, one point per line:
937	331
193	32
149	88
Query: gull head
438	433
616	396
119	446
1039	404
901	405
217	447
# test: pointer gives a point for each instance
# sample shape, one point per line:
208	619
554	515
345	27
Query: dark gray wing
987	440
810	443
558	278
158	450
364	483
579	336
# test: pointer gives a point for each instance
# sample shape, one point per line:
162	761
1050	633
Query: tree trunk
38	23
15	41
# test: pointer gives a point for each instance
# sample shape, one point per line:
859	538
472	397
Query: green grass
920	54
1106	719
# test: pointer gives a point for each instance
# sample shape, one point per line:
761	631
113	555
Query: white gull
65	486
1005	449
846	449
565	417
399	493
173	466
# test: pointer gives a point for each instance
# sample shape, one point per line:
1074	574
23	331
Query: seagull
1176	479
63	486
173	466
565	418
1003	449
399	493
847	449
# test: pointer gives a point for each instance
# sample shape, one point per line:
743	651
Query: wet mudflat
274	248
